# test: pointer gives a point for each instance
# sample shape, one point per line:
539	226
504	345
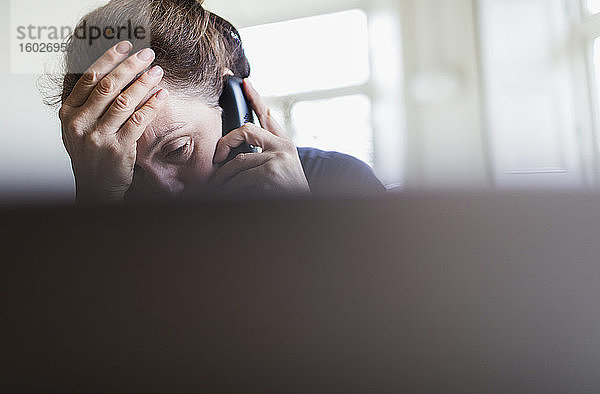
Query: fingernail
123	48
155	71
145	54
162	95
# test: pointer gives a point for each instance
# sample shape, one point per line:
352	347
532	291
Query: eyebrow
160	138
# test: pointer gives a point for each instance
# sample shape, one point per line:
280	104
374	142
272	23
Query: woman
141	117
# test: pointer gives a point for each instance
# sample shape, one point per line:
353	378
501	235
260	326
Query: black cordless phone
236	112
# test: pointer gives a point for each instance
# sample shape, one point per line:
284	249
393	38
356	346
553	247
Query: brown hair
192	45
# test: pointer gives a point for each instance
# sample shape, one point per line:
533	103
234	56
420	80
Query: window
596	56
317	53
344	125
593	6
314	72
586	34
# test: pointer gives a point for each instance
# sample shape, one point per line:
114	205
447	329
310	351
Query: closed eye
180	149
177	152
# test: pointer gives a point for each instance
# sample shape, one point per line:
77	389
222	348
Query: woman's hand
276	169
101	123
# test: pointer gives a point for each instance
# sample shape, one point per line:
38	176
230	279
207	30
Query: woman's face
175	154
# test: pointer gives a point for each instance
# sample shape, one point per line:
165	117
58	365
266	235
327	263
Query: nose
155	182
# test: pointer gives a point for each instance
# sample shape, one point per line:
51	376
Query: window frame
585	30
285	104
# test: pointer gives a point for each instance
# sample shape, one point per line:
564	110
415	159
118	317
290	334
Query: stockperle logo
40	31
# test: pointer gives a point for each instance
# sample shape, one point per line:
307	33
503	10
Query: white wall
244	13
534	132
33	161
446	140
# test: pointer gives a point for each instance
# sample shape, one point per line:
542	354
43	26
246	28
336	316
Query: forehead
182	110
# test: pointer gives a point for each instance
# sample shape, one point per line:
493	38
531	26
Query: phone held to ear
237	111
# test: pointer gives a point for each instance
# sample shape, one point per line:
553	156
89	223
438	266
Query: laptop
398	293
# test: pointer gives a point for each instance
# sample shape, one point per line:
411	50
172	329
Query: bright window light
593	6
342	124
597	63
316	53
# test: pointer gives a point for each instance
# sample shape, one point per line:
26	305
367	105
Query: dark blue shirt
334	172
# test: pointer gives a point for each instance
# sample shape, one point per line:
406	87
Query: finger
249	133
127	102
249	181
267	121
242	162
111	85
101	67
133	129
255	99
